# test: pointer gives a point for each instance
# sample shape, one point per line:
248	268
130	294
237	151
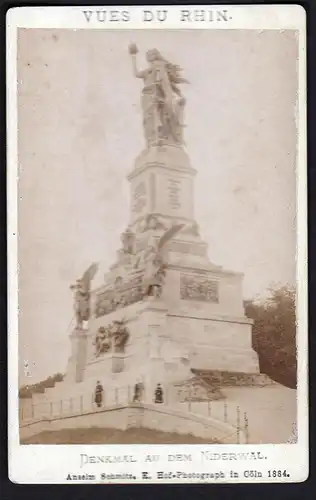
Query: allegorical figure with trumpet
162	100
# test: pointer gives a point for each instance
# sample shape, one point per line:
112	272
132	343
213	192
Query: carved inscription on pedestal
152	183
174	193
139	198
201	288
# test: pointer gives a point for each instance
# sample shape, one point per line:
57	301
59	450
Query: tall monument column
78	357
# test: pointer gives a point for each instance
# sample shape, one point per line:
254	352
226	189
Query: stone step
194	389
216	378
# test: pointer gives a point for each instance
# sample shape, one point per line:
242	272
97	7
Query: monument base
165	346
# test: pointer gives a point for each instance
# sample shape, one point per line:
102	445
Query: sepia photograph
157	181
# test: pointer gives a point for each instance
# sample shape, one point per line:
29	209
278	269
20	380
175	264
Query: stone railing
140	415
120	412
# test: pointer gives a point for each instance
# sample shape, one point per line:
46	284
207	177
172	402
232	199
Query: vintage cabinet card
157	244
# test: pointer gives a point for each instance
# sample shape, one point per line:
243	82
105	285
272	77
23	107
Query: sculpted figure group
148	267
111	338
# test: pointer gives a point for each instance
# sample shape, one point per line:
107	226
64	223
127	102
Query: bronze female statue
162	100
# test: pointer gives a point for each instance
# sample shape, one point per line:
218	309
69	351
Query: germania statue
162	100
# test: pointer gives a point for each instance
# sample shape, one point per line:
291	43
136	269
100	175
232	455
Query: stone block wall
147	416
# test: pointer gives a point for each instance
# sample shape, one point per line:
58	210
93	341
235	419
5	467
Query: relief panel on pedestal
198	288
120	295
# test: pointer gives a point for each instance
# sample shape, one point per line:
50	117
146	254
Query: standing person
98	398
136	393
158	394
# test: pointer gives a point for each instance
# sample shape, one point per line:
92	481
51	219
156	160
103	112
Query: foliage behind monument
26	391
274	334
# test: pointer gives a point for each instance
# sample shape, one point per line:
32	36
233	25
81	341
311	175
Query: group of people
137	397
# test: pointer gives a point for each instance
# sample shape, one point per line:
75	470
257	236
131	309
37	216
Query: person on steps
136	397
98	394
158	394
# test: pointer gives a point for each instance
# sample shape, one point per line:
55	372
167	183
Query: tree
274	334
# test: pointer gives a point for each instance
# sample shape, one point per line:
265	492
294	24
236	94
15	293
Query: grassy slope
96	435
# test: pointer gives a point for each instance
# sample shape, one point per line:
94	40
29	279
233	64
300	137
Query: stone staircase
217	379
209	385
195	389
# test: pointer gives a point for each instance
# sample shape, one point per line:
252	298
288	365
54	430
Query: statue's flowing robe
173	108
162	111
163	79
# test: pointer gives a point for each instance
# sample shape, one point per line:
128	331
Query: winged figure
155	265
157	248
82	295
152	221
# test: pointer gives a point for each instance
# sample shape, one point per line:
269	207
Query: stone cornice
156	164
79	332
243	320
205	269
163	216
169	157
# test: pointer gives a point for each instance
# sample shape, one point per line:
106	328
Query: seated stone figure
102	341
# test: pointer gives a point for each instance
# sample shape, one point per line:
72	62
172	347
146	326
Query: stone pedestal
118	363
198	323
162	184
78	358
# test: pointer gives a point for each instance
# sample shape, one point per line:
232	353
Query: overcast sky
80	129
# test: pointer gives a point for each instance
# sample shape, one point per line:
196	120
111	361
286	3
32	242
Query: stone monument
162	309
